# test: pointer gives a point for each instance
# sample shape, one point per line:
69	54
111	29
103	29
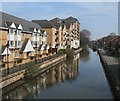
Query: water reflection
85	55
65	71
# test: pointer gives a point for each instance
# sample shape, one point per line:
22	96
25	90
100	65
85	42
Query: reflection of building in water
59	73
50	78
44	82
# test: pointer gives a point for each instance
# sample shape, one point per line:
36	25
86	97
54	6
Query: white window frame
11	29
17	55
11	44
18	32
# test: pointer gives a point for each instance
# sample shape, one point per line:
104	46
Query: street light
7	45
36	48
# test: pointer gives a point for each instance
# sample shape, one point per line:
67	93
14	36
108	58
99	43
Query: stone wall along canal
80	78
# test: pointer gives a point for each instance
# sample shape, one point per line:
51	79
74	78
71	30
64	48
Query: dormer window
37	34
39	31
18	32
11	31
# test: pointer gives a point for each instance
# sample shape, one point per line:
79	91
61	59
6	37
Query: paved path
110	60
112	70
113	64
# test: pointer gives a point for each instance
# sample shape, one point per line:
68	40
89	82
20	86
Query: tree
84	37
86	33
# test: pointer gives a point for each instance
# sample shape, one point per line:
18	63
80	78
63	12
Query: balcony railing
23	66
11	46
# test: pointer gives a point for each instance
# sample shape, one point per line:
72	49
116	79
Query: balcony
18	46
11	46
56	33
56	39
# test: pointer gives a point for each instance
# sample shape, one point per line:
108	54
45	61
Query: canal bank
81	79
112	71
7	80
36	70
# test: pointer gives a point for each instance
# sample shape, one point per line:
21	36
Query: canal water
79	78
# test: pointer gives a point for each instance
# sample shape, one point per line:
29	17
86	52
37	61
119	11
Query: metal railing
23	66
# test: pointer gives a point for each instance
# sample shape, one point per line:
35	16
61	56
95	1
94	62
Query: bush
62	51
30	69
70	53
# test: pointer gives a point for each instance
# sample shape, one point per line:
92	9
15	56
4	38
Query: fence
23	66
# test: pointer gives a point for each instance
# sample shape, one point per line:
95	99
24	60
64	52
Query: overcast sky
100	18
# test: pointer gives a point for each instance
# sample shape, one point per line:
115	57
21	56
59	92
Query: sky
100	18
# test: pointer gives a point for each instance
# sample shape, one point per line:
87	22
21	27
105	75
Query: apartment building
51	31
59	28
68	31
62	33
73	28
21	40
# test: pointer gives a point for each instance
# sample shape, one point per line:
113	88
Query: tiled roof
8	19
2	48
68	21
24	45
40	46
44	23
56	22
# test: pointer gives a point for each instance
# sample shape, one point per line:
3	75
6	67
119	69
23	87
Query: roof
24	44
40	46
114	40
8	19
71	19
68	21
2	48
45	47
44	23
27	46
56	22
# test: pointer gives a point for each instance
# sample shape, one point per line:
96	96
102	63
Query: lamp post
36	48
7	58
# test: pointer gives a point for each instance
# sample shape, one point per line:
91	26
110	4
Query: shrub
70	53
62	51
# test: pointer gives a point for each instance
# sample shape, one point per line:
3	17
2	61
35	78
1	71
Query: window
43	42
17	54
19	43
12	31
15	43
27	54
36	51
37	34
11	43
35	42
18	32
